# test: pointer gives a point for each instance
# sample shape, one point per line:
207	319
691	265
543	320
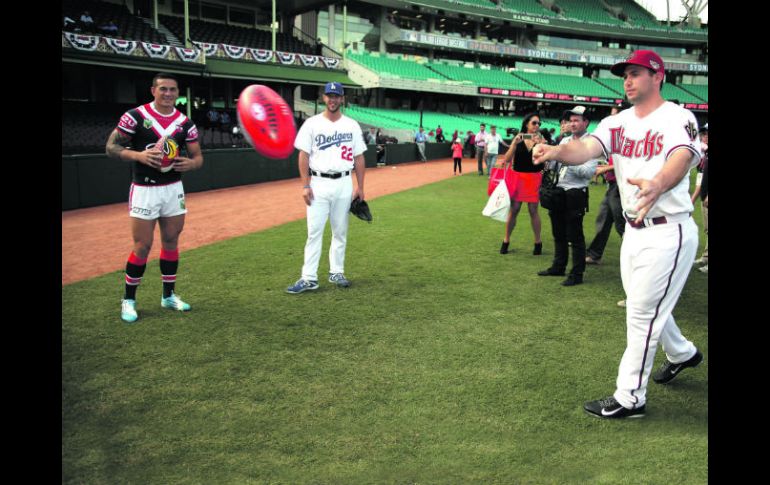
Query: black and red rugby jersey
145	127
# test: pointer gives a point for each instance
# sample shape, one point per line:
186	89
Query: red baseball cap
644	58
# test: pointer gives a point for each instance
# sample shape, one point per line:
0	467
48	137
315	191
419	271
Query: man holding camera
567	215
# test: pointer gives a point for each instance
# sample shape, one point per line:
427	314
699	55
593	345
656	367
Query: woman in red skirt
528	178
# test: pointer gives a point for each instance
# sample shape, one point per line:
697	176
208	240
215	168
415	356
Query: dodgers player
654	145
331	147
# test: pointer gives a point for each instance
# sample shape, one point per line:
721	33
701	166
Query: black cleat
550	272
609	408
669	370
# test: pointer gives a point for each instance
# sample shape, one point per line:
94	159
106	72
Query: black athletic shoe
504	248
538	250
572	280
609	408
669	370
550	272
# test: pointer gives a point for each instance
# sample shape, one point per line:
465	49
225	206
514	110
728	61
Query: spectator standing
492	147
87	22
480	142
470	146
440	135
567	213
224	121
701	190
528	178
420	138
610	211
110	28
457	156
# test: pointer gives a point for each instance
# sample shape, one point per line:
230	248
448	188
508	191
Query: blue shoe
302	285
175	303
339	280
128	311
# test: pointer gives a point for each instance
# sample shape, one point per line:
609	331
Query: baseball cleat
128	311
339	280
175	303
669	370
302	285
609	408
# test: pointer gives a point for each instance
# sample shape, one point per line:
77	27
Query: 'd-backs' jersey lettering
640	147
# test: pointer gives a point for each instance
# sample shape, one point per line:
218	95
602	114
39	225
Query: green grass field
445	362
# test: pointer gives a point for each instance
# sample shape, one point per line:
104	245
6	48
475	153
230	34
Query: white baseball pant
331	200
654	264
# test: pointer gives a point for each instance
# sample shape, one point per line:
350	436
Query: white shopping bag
498	204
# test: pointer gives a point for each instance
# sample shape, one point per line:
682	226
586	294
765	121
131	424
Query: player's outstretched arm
576	152
675	168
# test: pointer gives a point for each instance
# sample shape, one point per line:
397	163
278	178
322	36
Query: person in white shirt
331	148
653	146
480	141
492	144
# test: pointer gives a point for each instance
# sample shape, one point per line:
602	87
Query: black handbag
550	194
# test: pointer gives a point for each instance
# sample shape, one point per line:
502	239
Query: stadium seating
215	33
532	7
479	77
395	66
558	83
701	91
587	12
130	27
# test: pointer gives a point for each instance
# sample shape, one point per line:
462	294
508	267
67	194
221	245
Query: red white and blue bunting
261	55
187	55
234	52
156	51
308	61
208	49
330	62
121	46
83	42
286	57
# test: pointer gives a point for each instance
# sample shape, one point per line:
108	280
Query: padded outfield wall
95	179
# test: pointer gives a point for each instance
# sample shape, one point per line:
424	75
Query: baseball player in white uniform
654	145
331	149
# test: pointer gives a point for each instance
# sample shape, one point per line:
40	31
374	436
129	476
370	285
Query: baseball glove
360	209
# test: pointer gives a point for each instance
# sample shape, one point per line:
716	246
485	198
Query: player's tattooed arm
116	144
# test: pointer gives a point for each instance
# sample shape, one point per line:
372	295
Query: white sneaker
704	269
622	303
128	311
175	303
701	260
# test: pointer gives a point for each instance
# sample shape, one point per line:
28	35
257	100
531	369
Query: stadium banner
308	61
519	93
286	57
437	40
696	106
261	55
208	49
187	55
83	42
330	62
233	52
120	46
156	51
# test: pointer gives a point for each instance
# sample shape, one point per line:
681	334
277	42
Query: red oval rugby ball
266	121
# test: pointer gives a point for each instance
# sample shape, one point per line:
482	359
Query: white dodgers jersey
639	148
332	146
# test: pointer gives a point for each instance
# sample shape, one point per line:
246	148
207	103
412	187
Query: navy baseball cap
644	58
334	88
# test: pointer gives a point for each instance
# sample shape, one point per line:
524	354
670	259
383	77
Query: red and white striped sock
169	262
134	271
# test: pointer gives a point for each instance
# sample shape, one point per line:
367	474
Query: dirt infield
97	240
